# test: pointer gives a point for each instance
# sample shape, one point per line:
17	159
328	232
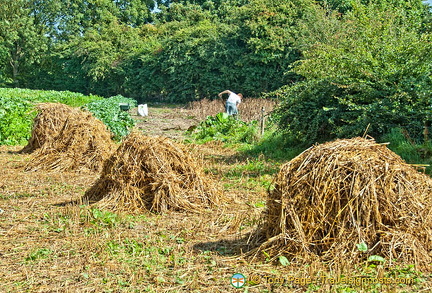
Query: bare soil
167	121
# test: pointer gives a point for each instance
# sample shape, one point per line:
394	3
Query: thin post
262	120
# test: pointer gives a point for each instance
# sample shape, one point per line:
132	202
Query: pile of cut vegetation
155	174
345	201
47	123
73	140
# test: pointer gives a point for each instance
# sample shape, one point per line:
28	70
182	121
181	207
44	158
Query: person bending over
232	102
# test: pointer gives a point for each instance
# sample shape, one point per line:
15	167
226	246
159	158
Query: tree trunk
16	55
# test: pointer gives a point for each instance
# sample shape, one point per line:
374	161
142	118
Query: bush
360	73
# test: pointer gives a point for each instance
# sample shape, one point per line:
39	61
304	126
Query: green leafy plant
359	74
109	112
376	258
38	254
283	261
362	247
227	129
104	218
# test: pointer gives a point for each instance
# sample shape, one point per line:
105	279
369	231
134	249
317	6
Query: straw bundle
48	122
82	144
152	173
339	194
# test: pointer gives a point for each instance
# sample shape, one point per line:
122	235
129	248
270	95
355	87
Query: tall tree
202	49
89	41
71	18
22	42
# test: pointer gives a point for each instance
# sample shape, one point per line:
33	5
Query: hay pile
339	194
152	173
48	122
82	143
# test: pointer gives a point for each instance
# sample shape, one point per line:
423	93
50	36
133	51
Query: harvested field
156	174
82	143
249	109
338	195
48	243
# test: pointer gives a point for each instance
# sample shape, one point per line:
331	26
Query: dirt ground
170	121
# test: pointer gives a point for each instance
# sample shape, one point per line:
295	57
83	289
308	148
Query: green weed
38	254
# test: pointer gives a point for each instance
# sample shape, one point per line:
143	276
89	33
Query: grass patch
412	151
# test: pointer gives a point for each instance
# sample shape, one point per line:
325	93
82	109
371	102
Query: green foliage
23	43
195	51
227	129
38	96
86	43
95	61
268	30
68	19
362	247
283	261
41	253
184	57
17	110
360	73
14	123
109	112
274	145
375	258
412	151
104	219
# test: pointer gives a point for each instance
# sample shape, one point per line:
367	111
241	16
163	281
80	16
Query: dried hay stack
48	122
152	173
339	194
82	144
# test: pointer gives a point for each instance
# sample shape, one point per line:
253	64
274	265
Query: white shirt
234	98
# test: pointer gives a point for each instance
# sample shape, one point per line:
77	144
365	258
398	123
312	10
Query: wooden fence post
262	121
